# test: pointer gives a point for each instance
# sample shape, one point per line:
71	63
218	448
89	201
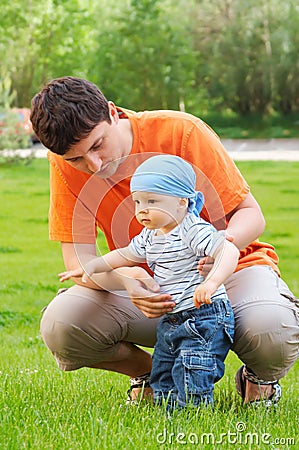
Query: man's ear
113	112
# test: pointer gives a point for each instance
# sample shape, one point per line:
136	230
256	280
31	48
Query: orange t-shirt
79	202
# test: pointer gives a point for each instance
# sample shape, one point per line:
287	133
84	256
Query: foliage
7	94
197	55
229	124
39	43
247	49
12	134
145	60
43	408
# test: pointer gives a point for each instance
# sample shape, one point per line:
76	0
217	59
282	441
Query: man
94	149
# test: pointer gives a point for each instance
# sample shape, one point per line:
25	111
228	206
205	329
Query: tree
145	60
193	54
249	53
49	42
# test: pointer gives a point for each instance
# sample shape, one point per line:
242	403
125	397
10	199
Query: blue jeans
189	354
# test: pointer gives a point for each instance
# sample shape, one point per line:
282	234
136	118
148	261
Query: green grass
43	408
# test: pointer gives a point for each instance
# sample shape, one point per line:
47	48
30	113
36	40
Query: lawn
43	408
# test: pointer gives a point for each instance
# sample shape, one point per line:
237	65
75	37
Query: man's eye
97	147
73	160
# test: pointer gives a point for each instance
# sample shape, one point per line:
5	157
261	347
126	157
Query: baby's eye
137	202
151	202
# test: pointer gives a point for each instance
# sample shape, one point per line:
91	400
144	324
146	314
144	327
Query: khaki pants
83	327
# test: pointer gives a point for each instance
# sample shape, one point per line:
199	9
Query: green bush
13	137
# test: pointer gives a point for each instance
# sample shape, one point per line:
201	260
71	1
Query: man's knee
74	348
72	330
266	340
58	337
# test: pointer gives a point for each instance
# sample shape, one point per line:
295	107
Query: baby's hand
63	276
202	295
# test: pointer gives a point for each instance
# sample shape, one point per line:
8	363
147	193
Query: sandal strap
140	381
272	400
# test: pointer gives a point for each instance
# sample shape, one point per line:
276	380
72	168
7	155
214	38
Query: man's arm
245	223
76	255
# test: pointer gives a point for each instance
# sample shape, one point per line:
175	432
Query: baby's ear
184	202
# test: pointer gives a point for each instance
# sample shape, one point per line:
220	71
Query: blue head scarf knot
168	175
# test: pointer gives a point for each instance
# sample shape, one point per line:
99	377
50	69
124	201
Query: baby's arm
226	260
112	260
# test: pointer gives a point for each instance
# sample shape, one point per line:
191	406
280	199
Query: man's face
104	149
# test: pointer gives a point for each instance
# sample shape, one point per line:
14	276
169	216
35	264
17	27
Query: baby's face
157	211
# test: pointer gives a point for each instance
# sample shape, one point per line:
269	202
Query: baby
195	337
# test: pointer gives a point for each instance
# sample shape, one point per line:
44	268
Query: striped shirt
173	257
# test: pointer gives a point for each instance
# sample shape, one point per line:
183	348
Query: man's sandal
244	374
142	382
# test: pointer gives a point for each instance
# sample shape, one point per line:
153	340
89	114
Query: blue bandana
168	175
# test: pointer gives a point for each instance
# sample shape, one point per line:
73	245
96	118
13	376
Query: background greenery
229	57
44	409
232	62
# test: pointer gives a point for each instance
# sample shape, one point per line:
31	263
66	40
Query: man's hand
205	265
144	291
63	276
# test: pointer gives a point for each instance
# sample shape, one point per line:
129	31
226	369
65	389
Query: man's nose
93	162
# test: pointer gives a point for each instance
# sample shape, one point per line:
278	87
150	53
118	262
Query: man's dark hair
65	111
